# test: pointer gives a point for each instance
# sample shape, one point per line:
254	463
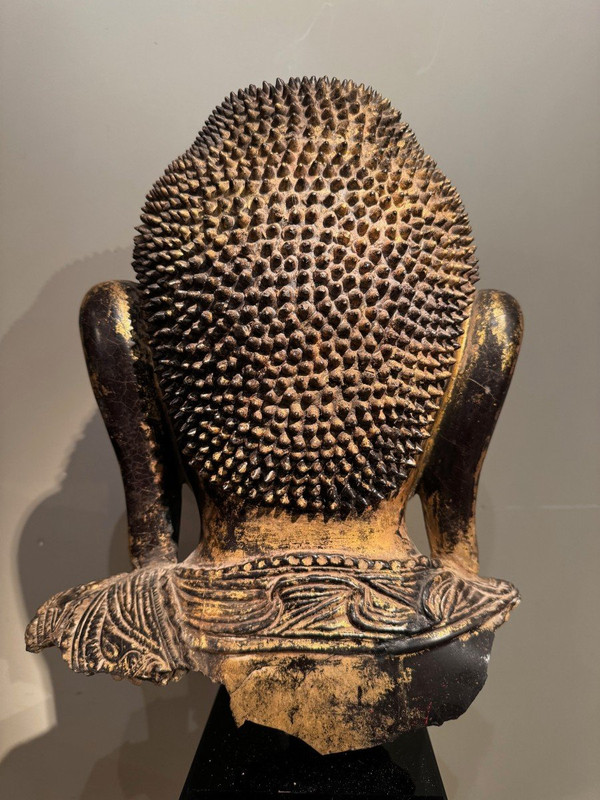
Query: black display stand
257	762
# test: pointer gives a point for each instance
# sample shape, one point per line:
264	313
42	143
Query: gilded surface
305	348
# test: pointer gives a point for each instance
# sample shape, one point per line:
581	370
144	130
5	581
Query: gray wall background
97	98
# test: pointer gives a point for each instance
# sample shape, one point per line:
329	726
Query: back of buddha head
306	270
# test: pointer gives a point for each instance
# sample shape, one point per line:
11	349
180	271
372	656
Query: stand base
257	762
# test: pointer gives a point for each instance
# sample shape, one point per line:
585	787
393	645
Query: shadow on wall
110	739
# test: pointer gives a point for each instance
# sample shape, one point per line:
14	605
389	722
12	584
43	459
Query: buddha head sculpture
305	347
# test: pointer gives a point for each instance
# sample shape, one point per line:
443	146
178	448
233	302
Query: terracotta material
305	347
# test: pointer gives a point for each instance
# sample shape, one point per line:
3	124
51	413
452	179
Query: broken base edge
348	702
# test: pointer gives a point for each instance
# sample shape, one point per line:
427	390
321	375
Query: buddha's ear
454	454
122	377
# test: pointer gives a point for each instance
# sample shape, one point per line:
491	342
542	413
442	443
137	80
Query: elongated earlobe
122	376
462	432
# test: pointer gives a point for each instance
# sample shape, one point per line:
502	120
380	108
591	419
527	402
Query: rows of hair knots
306	271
